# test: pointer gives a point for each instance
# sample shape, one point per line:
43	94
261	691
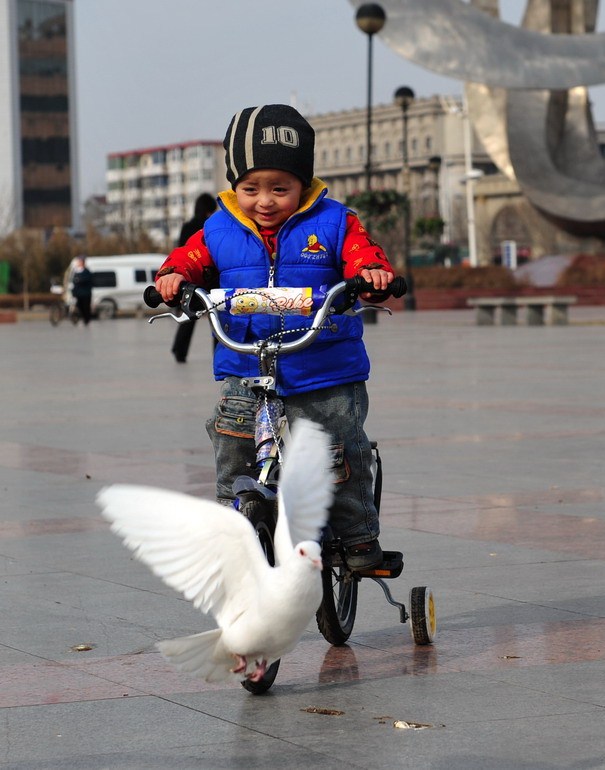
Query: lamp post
370	18
470	176
434	165
404	96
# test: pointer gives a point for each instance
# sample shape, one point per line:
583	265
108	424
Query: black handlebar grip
398	286
152	297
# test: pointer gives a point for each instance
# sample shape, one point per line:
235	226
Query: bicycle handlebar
397	288
351	288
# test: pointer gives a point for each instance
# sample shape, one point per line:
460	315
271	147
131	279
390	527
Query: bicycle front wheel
261	514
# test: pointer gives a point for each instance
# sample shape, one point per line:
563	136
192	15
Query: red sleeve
193	260
360	251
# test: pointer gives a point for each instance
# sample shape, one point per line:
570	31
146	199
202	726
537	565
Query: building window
54	149
36	103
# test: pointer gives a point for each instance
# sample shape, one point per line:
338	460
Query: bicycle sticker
271	301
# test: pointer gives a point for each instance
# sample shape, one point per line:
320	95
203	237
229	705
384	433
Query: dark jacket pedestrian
82	289
204	206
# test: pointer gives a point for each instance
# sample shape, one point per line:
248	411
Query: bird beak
317	563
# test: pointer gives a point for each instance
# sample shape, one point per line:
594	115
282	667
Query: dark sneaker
364	555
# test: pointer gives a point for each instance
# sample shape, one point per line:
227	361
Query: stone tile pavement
492	442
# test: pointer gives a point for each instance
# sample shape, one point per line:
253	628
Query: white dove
212	555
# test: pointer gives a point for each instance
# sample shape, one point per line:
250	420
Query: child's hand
168	285
380	278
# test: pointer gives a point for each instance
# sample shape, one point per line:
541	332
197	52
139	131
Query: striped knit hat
273	136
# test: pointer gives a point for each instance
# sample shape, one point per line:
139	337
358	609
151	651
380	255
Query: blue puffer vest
308	249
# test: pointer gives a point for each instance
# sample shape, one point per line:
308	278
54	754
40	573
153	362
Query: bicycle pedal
391	567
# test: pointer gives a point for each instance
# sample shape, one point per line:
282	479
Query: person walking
205	205
82	289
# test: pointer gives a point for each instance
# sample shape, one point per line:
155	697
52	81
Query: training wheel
422	615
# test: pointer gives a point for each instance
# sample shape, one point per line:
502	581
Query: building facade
437	156
154	189
38	147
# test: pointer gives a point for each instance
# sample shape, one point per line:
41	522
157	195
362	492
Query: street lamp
404	96
471	177
370	18
470	174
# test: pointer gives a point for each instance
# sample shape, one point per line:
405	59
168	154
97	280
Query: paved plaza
492	441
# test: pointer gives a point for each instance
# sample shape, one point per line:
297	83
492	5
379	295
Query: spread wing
305	490
205	550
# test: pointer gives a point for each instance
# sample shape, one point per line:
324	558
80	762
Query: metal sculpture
461	41
525	92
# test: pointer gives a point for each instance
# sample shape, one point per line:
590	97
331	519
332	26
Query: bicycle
59	311
256	495
61	308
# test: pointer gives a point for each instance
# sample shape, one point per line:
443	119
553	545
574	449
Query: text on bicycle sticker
272	300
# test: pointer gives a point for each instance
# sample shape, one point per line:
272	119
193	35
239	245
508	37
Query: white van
118	282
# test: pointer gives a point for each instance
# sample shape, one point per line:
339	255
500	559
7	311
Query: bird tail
202	655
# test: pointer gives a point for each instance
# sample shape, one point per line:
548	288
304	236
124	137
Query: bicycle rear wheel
262	515
336	614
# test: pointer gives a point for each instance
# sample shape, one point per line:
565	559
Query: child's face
269	196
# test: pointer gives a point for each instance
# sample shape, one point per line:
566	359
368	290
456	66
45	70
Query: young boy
276	227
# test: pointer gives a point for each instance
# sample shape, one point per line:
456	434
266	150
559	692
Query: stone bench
550	310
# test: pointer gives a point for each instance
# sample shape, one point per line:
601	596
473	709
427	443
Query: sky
156	72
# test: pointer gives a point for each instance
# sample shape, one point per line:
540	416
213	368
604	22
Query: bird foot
242	665
259	671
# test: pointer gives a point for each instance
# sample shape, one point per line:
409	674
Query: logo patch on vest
314	249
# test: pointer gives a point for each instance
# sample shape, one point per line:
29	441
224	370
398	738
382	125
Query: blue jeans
342	411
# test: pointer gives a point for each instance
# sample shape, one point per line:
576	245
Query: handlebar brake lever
180	319
363	308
